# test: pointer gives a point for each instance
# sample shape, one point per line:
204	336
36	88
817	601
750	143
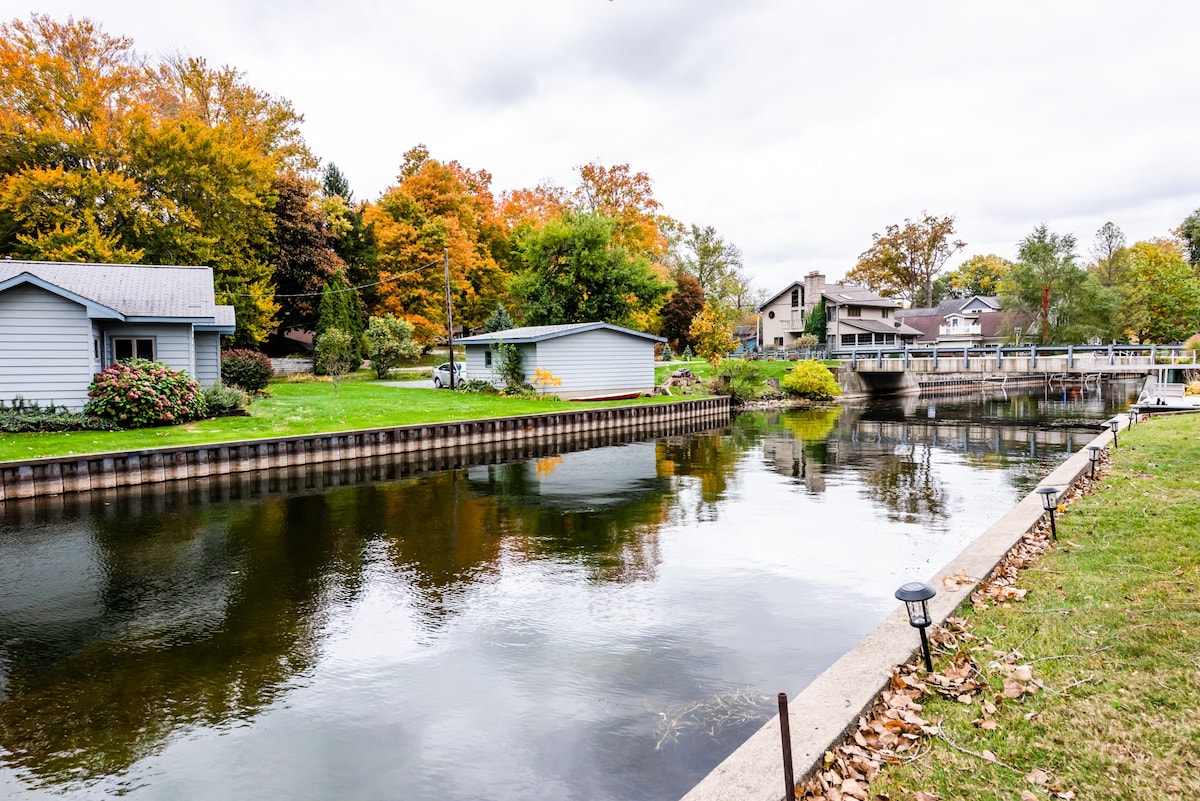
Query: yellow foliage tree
712	331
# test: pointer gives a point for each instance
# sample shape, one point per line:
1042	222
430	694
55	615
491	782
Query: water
598	624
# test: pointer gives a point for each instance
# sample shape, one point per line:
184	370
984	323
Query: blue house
61	323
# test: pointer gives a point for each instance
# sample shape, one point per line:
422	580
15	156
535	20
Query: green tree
354	238
336	353
715	263
390	343
302	253
576	272
681	308
340	309
1110	257
1189	232
1069	305
903	261
500	320
1162	303
816	324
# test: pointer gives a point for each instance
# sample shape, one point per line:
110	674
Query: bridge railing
1076	356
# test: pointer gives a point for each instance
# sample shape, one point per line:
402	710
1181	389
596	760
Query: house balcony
793	324
960	330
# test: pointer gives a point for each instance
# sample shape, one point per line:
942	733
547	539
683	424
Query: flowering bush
138	393
812	380
246	369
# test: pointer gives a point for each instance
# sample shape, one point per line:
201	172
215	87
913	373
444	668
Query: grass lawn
301	408
773	368
1110	631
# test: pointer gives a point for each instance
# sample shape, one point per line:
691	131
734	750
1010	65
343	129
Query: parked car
441	374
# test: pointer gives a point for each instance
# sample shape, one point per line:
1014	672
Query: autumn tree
1068	304
627	198
713	332
1162	302
302	252
576	271
903	261
353	238
682	306
978	275
437	206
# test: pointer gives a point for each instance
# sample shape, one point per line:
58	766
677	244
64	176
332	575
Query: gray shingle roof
536	333
131	289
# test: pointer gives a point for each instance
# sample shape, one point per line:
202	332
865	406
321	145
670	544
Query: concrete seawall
832	703
71	474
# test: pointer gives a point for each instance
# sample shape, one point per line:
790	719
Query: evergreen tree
340	309
500	320
815	324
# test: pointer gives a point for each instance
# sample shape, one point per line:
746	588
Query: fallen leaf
1028	796
1037	776
989	756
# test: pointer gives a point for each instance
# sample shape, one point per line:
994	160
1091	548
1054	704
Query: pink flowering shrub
138	393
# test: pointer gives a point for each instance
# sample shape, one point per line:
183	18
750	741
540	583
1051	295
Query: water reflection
524	621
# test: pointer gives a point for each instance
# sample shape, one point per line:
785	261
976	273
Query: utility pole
449	314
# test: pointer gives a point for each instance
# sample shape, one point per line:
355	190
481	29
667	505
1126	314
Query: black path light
1050	503
1115	425
915	596
1094	456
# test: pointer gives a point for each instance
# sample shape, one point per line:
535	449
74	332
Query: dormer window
795	298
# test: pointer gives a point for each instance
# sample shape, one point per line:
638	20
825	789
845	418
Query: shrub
742	380
476	385
223	400
27	417
509	363
687	353
666	353
389	343
806	340
245	368
811	379
138	393
336	355
1192	342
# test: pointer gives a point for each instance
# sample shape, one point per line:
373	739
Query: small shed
591	360
61	323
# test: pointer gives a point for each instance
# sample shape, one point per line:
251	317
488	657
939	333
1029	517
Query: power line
395	277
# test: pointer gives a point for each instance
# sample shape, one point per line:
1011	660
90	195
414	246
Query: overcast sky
796	129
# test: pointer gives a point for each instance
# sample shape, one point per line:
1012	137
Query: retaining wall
69	474
832	703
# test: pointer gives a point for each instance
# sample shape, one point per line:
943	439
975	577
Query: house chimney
814	286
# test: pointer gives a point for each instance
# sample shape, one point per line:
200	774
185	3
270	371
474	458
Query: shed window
487	358
133	347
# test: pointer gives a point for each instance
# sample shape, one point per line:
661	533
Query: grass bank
1082	679
772	368
302	408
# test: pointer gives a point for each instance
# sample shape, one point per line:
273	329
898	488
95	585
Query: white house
854	316
591	360
61	323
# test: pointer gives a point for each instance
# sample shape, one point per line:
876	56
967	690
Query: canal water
606	623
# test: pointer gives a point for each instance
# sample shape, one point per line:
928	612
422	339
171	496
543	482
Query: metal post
1070	357
785	731
925	650
1053	528
449	314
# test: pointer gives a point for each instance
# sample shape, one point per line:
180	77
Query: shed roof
537	333
133	290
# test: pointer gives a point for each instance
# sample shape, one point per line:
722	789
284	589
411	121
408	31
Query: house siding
172	343
45	348
476	369
597	361
208	358
788	322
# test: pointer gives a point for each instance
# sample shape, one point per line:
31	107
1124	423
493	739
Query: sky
796	129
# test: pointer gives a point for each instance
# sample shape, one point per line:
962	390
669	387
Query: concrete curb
831	705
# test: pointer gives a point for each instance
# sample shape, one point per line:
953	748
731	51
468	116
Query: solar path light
1115	425
1094	456
1050	503
915	596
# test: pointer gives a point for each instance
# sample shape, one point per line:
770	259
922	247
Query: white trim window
125	348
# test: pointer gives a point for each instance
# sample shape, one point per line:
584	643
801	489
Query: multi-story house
854	316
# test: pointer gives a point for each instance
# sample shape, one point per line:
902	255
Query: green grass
1111	627
773	368
298	408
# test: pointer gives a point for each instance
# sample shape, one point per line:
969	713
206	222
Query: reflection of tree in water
904	484
196	621
710	459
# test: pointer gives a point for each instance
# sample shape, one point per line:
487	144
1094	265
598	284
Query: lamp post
1050	503
1094	456
1017	332
915	596
1115	425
